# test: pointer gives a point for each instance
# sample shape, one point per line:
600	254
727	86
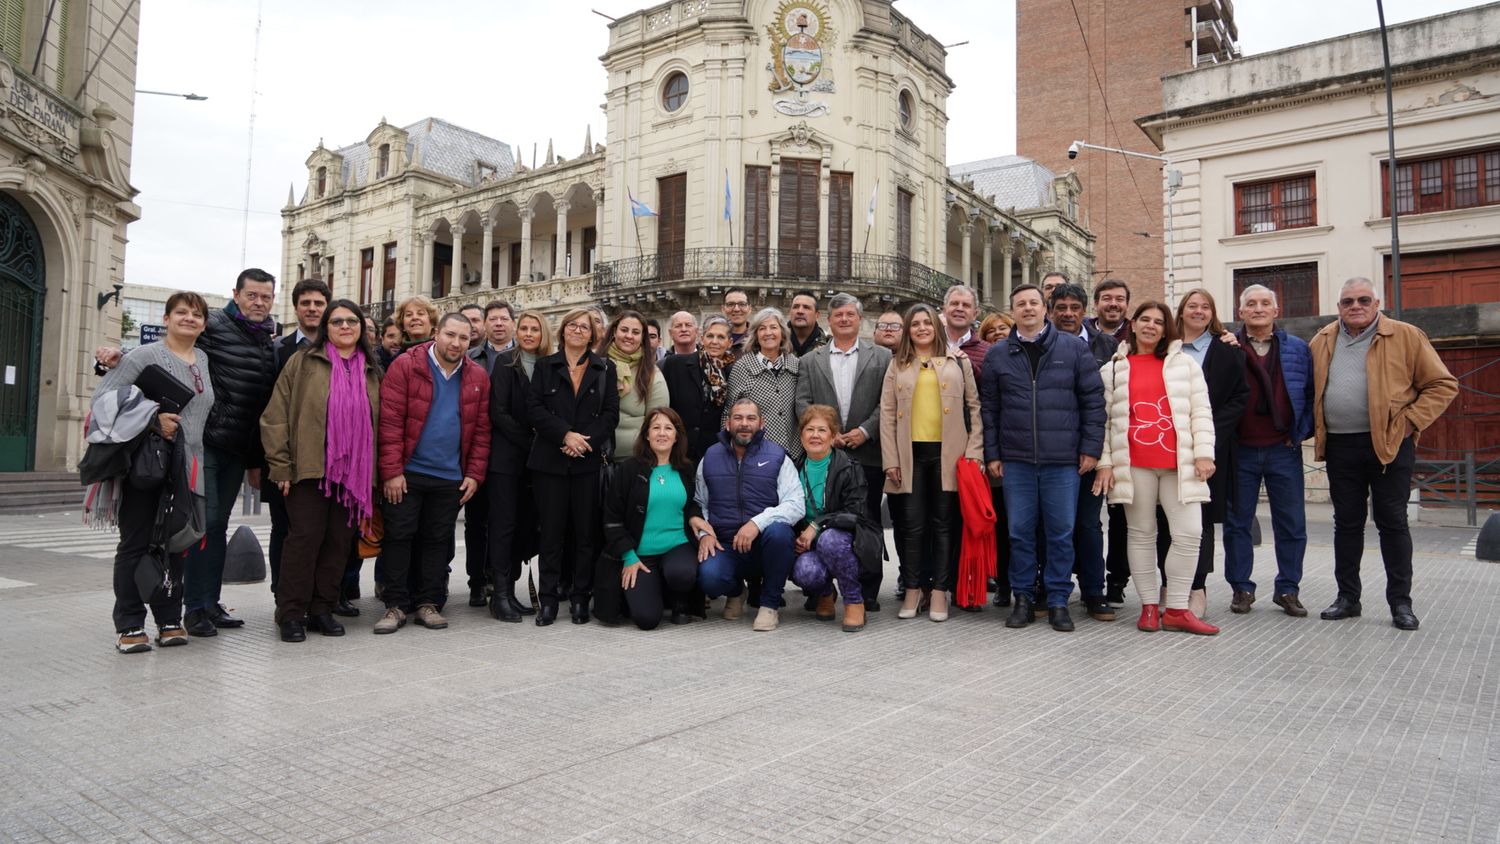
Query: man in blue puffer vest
1277	419
750	493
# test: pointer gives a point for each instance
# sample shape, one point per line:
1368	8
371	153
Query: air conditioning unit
1257	228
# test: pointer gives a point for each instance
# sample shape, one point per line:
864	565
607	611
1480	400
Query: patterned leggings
831	558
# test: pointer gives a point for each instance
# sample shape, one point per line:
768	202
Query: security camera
1072	150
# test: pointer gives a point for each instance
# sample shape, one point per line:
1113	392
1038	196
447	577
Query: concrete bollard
244	561
1488	546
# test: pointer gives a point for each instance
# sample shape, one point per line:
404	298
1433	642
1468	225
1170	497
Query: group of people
653	471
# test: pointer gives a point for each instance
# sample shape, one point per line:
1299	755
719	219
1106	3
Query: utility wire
1109	116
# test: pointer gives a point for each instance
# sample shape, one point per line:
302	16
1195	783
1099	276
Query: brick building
1085	70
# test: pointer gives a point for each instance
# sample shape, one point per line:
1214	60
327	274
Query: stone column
526	215
422	286
456	272
989	279
1006	252
965	261
1025	265
560	256
486	278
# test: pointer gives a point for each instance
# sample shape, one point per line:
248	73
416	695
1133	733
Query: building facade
1085	69
142	306
67	102
776	145
1284	164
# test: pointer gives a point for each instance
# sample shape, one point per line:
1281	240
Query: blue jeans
1031	490
204	574
769	559
1280	466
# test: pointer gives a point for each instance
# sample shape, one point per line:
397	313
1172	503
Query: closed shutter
757	220
388	278
840	224
903	235
671	227
12	27
797	226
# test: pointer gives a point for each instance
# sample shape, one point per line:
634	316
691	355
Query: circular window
675	92
904	109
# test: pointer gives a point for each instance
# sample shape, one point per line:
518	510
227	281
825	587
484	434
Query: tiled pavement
1279	729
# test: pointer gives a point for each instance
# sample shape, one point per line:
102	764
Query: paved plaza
1279	729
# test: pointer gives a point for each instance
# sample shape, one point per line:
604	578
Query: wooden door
903	235
840	225
671	226
388	278
797	223
757	221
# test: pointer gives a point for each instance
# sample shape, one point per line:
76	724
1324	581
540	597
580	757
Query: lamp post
1174	181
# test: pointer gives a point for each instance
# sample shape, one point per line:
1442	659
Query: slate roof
441	147
1015	181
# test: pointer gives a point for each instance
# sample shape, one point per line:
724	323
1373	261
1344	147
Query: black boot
579	611
1060	620
1020	614
325	624
548	613
503	607
679	612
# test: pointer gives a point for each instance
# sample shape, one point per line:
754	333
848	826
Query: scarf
348	459
1264	370
528	363
715	385
976	560
266	327
625	365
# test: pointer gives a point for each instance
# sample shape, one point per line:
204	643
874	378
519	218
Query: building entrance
22	288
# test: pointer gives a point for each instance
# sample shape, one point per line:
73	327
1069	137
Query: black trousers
928	516
317	552
870	580
512	529
137	517
1356	481
1116	564
424	519
1002	540
477	537
568	510
672	577
270	495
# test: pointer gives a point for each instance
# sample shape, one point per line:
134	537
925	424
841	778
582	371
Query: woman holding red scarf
319	435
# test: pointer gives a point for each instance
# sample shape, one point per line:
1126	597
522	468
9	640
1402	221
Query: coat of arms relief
801	44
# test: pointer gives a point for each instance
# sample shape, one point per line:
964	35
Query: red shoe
1150	619
1185	621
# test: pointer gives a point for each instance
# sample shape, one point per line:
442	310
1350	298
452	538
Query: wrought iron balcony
856	273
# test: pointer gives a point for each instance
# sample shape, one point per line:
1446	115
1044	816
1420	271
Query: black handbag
150	462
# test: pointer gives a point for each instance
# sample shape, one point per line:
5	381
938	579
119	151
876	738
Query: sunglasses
197	376
344	322
1362	301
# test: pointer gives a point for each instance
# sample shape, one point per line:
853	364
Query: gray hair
716	319
1256	288
961	288
760	317
844	300
1356	282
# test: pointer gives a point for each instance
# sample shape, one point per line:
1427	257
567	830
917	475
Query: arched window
383	169
905	109
674	93
322	181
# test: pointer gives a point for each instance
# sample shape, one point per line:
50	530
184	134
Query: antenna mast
250	141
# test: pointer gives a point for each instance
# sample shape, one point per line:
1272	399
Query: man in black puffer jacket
242	363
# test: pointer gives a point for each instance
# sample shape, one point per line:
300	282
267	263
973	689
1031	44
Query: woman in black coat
698	384
836	540
1228	392
574	406
512	506
650	523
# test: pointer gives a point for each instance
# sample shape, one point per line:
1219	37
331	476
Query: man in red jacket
434	451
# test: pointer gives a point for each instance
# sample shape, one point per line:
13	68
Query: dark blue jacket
1052	418
1296	371
739	490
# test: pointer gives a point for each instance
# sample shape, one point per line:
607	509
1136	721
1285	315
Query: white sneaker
766	620
734	608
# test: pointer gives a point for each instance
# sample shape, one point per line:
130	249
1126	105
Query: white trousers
1185	521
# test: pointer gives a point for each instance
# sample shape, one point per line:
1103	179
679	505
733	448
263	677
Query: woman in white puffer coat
1158	449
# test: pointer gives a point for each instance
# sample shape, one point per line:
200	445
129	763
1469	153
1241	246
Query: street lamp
1174	181
193	97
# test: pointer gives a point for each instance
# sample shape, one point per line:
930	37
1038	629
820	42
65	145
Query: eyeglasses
736	305
887	326
1362	301
197	376
578	327
344	322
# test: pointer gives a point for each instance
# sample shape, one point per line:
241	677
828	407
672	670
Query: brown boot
825	608
854	618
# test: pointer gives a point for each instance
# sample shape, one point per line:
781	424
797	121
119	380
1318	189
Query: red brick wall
1133	43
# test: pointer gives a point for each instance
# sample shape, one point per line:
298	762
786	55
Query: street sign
151	333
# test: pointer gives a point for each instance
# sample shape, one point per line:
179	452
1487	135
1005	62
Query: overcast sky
522	73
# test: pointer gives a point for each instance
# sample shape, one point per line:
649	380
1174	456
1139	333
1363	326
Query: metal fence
847	271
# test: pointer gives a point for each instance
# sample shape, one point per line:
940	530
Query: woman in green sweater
642	389
650	519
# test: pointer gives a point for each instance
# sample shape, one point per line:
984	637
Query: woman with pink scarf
319	436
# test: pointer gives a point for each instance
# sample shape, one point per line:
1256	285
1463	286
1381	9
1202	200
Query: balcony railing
841	270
